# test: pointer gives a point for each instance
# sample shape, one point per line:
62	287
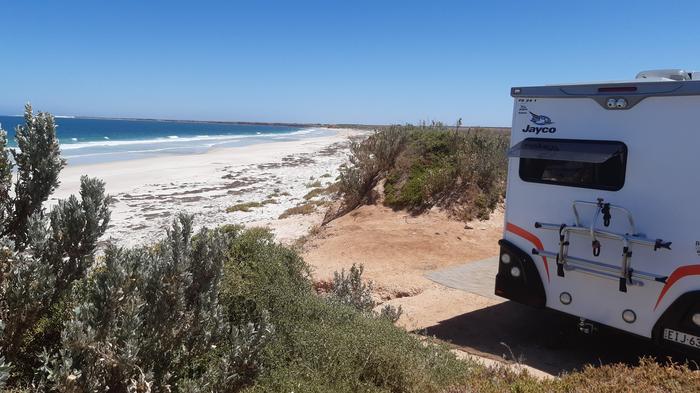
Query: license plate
682	338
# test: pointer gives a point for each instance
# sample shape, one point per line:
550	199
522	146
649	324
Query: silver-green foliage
5	368
42	254
150	319
147	319
350	289
38	162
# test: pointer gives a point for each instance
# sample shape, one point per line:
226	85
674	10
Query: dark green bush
321	344
329	347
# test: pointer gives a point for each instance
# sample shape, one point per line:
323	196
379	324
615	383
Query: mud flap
525	287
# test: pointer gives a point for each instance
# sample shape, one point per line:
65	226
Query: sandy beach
149	192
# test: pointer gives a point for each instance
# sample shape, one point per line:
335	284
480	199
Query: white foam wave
215	139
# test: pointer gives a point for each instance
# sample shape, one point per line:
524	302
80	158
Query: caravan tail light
696	319
515	272
505	258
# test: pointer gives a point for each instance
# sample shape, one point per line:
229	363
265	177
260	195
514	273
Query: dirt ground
397	249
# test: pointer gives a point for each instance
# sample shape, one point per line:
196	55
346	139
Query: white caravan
603	204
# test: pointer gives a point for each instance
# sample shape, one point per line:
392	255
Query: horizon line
272	123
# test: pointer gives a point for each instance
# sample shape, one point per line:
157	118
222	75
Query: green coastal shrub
463	172
369	161
323	344
152	316
43	255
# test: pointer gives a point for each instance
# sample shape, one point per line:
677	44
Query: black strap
596	248
606	214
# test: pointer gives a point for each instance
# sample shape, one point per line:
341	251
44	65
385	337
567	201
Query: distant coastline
260	123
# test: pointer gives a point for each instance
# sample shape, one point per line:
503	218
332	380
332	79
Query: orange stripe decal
683	271
531	238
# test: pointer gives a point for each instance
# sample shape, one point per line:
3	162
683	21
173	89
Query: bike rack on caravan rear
626	274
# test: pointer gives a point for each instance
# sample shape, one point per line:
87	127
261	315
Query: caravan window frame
523	163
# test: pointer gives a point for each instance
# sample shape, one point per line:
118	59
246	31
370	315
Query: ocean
89	141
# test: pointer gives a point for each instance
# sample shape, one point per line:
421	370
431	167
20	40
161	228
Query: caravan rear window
574	163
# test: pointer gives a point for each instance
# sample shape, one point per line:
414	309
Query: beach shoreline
276	176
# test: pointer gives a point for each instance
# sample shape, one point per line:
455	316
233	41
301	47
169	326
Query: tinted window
575	163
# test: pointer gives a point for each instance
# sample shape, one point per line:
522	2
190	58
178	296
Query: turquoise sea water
88	141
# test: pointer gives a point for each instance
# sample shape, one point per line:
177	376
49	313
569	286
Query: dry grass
320	191
305	208
248	206
313	184
276	193
647	377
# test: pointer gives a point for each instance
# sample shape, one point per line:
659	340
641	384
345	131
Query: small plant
391	313
351	290
313	184
276	193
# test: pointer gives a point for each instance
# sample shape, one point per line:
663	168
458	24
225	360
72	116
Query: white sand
150	191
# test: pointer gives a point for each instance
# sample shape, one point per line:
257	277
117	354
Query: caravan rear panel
602	205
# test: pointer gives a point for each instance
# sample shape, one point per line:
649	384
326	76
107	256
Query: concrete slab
476	277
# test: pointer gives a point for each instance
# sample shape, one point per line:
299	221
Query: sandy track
397	249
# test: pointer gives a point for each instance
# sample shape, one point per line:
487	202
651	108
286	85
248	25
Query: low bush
320	344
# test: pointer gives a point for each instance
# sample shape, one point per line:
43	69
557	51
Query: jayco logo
540	120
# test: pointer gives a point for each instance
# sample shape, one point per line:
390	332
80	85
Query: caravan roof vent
670	74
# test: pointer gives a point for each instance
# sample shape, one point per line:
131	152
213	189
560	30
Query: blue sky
325	61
